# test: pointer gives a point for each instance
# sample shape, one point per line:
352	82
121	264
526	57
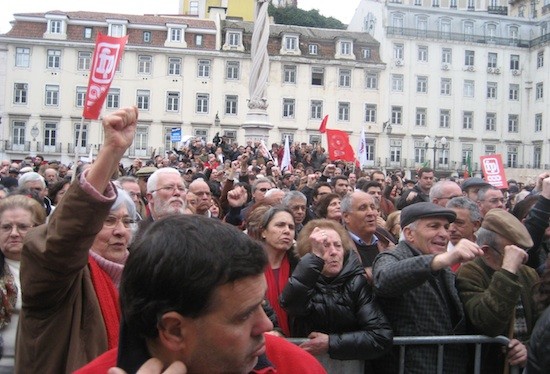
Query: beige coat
61	327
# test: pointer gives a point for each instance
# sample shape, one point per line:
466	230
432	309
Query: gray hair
124	198
293	195
487	237
153	180
466	203
346	202
437	189
31	176
483	191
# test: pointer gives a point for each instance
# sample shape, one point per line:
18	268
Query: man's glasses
111	222
170	189
21	228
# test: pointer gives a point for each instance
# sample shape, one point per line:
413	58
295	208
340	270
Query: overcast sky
327	8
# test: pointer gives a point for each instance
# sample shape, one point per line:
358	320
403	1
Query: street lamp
442	142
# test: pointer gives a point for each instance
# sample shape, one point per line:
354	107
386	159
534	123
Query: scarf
107	295
8	292
274	289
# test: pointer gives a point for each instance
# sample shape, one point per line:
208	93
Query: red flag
339	147
493	170
323	127
107	54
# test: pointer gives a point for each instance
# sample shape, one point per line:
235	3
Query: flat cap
146	171
421	210
506	225
26	169
474	181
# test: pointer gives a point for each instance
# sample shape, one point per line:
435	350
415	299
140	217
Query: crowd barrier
357	366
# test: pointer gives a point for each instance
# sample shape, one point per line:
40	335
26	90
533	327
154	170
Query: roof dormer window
56	27
117	30
176	36
344	49
290	44
233	40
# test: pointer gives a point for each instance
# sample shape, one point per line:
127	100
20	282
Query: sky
328	8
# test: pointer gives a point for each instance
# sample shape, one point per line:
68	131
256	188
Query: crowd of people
205	259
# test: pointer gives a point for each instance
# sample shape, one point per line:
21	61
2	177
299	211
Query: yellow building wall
235	8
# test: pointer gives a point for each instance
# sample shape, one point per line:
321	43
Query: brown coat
61	327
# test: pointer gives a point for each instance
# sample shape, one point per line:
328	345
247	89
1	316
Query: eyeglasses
21	228
170	189
112	221
449	197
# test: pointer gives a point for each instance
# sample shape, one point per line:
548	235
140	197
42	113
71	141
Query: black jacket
342	307
539	346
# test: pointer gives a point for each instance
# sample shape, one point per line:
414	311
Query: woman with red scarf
277	235
71	266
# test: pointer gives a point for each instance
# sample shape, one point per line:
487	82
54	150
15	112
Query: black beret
416	211
474	181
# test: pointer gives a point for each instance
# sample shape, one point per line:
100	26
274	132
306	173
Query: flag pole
77	146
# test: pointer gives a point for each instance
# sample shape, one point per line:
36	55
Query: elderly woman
329	298
329	207
277	235
18	214
71	267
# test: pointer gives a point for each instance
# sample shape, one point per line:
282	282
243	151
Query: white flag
285	163
362	150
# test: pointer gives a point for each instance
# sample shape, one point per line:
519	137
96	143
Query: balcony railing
140	152
9	146
502	10
46	149
461	37
82	150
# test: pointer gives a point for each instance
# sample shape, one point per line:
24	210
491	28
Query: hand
514	257
318	238
311	180
517	353
545	190
540	178
154	366
317	343
380	222
329	170
411	195
237	197
119	128
464	251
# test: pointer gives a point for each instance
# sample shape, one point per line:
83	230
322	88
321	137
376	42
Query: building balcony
140	152
501	10
9	146
81	150
49	149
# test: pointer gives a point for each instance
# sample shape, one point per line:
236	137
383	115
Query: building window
54	59
231	104
396	115
174	66
468	120
84	133
370	113
513	92
422	84
469	58
397	23
395	150
143	99
540	59
468	29
288	108
84	61
490	149
513	123
467	153
397	82
367	53
18	133
446	56
113	98
88	33
469	88
52	95
491	90
491	122
147	36
344	79
446	84
22	57
234	39
290	43
491	32
317	76
513	33
421	114
116	30
80	96
50	134
55	26
202	103
514	62
201	133
445	28
20	93
371	81
144	64
539	91
538	122
286	135
203	68
316	109
198	40
343	111
444	118
313	49
346	48
289	74
193	8
141	139
419	152
492	60
512	156
398	51
233	70
422	26
537	157
172	101
423	53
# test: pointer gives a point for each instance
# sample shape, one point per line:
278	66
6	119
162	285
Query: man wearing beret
496	289
416	288
471	186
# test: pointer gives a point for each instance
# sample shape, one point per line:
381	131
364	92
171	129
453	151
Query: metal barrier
356	366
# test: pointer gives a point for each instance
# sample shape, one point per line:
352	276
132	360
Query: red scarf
274	290
107	295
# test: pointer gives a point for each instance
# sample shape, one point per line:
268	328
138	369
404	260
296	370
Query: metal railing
356	366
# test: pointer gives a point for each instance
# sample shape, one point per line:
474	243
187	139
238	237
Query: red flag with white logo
107	54
493	170
338	146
